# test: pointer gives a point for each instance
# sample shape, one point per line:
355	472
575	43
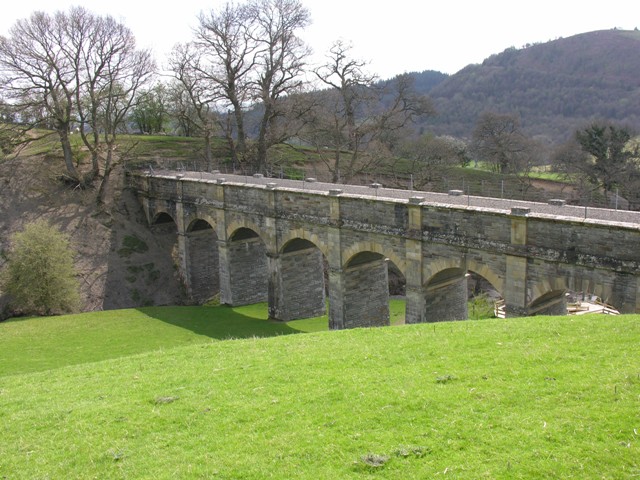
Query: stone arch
547	296
198	223
163	218
551	295
546	285
444	276
553	302
243	233
374	247
300	233
485	298
299	281
296	244
203	259
246	224
485	271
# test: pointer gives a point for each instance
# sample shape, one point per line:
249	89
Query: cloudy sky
395	36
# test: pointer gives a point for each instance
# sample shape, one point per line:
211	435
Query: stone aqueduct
254	239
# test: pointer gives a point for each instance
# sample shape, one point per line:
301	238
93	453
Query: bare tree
195	96
216	68
498	141
36	75
358	119
279	59
431	157
246	57
80	70
110	73
353	87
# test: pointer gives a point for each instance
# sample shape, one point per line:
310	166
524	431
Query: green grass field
163	393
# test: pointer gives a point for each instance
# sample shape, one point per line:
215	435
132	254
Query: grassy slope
36	344
539	397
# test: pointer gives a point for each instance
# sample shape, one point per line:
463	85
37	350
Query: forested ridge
555	87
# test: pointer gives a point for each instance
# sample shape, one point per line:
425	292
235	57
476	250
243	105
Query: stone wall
299	285
446	300
204	267
366	294
244	272
302	206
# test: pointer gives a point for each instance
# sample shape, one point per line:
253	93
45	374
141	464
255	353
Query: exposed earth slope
120	261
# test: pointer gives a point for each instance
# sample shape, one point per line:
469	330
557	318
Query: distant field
541	397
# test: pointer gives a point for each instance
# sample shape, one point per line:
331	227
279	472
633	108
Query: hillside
545	397
118	258
555	87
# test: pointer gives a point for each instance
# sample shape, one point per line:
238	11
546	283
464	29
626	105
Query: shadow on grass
222	322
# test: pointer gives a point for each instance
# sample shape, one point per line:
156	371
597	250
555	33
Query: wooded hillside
555	87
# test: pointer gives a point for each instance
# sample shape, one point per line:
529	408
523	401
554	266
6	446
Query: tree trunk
241	142
67	151
261	155
207	150
108	167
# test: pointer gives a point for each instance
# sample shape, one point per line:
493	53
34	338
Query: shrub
481	306
39	274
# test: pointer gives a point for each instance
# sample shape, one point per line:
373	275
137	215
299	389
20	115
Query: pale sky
393	36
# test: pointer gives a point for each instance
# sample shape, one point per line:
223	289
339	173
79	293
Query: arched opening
163	222
162	217
300	283
198	225
244	274
203	260
484	299
243	234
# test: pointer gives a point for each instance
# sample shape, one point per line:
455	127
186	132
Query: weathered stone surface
367	294
299	285
247	272
203	258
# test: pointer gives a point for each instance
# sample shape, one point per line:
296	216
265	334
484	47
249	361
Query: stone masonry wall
163	188
248	271
372	215
447	303
366	295
577	242
618	290
302	289
302	206
462	227
204	268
